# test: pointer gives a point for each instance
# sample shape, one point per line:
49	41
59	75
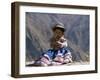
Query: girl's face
58	33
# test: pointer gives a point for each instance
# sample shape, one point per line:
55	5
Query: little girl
58	52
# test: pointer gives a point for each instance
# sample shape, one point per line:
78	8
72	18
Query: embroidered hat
59	26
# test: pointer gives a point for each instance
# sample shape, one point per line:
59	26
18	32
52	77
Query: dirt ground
31	64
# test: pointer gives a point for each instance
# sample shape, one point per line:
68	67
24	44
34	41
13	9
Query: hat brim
62	29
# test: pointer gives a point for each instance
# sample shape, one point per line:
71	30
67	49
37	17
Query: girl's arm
64	44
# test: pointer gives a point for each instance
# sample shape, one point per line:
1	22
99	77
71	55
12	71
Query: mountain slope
38	33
